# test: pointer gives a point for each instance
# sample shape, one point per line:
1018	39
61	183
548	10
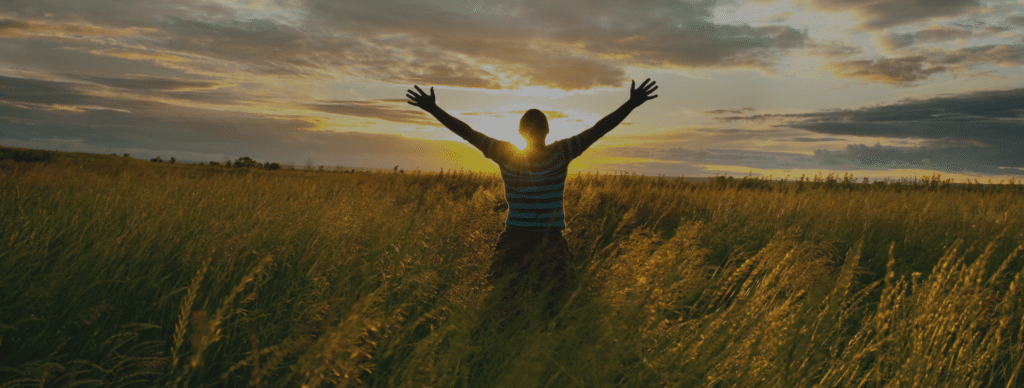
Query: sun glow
501	125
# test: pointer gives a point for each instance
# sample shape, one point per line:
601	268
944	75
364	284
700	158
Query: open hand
421	99
640	95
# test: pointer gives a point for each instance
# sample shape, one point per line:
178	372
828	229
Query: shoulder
562	147
498	150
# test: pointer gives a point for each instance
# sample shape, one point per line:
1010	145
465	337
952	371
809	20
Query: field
120	272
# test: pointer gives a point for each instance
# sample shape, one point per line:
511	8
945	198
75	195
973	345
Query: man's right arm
429	104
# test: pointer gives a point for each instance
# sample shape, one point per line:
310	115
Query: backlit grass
117	272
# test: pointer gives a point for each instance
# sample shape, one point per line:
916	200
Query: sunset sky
879	88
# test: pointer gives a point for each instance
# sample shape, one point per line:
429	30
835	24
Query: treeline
243	162
850	182
250	163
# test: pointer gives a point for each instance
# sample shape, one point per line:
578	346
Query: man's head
534	126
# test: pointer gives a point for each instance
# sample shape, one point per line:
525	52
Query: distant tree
246	162
273	166
126	155
228	164
157	159
212	163
172	161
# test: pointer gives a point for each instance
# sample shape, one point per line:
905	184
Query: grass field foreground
117	272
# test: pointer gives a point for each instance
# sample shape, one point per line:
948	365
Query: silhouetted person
531	254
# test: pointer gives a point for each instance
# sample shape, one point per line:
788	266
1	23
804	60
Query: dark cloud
563	44
927	35
880	14
34	91
895	71
568	44
981	132
730	111
978	160
376	109
1017	20
834	49
61	115
981	115
941	33
988	54
815	139
908	69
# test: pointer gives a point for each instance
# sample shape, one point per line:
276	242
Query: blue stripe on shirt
527	206
544	216
512	195
558	186
536	225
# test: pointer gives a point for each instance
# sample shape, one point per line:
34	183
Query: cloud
834	49
138	55
881	14
731	111
896	71
560	44
982	115
908	69
979	132
978	160
150	83
926	35
62	115
62	31
375	109
815	139
1017	20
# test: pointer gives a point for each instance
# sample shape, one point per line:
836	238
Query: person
531	254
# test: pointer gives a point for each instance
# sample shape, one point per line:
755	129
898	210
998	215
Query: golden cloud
138	55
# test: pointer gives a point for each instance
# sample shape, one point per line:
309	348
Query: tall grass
118	273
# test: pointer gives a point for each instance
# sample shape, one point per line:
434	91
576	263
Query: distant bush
25	155
157	160
245	162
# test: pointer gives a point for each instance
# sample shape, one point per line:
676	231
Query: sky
875	88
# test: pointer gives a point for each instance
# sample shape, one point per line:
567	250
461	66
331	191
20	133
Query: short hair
534	123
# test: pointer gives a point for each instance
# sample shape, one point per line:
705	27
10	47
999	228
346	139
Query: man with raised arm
534	182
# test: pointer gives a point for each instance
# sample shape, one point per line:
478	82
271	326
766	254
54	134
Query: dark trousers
531	268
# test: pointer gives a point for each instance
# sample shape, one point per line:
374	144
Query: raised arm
429	104
637	96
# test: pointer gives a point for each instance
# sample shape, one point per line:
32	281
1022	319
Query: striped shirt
535	179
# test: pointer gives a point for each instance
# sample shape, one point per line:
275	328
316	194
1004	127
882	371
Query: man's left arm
637	96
